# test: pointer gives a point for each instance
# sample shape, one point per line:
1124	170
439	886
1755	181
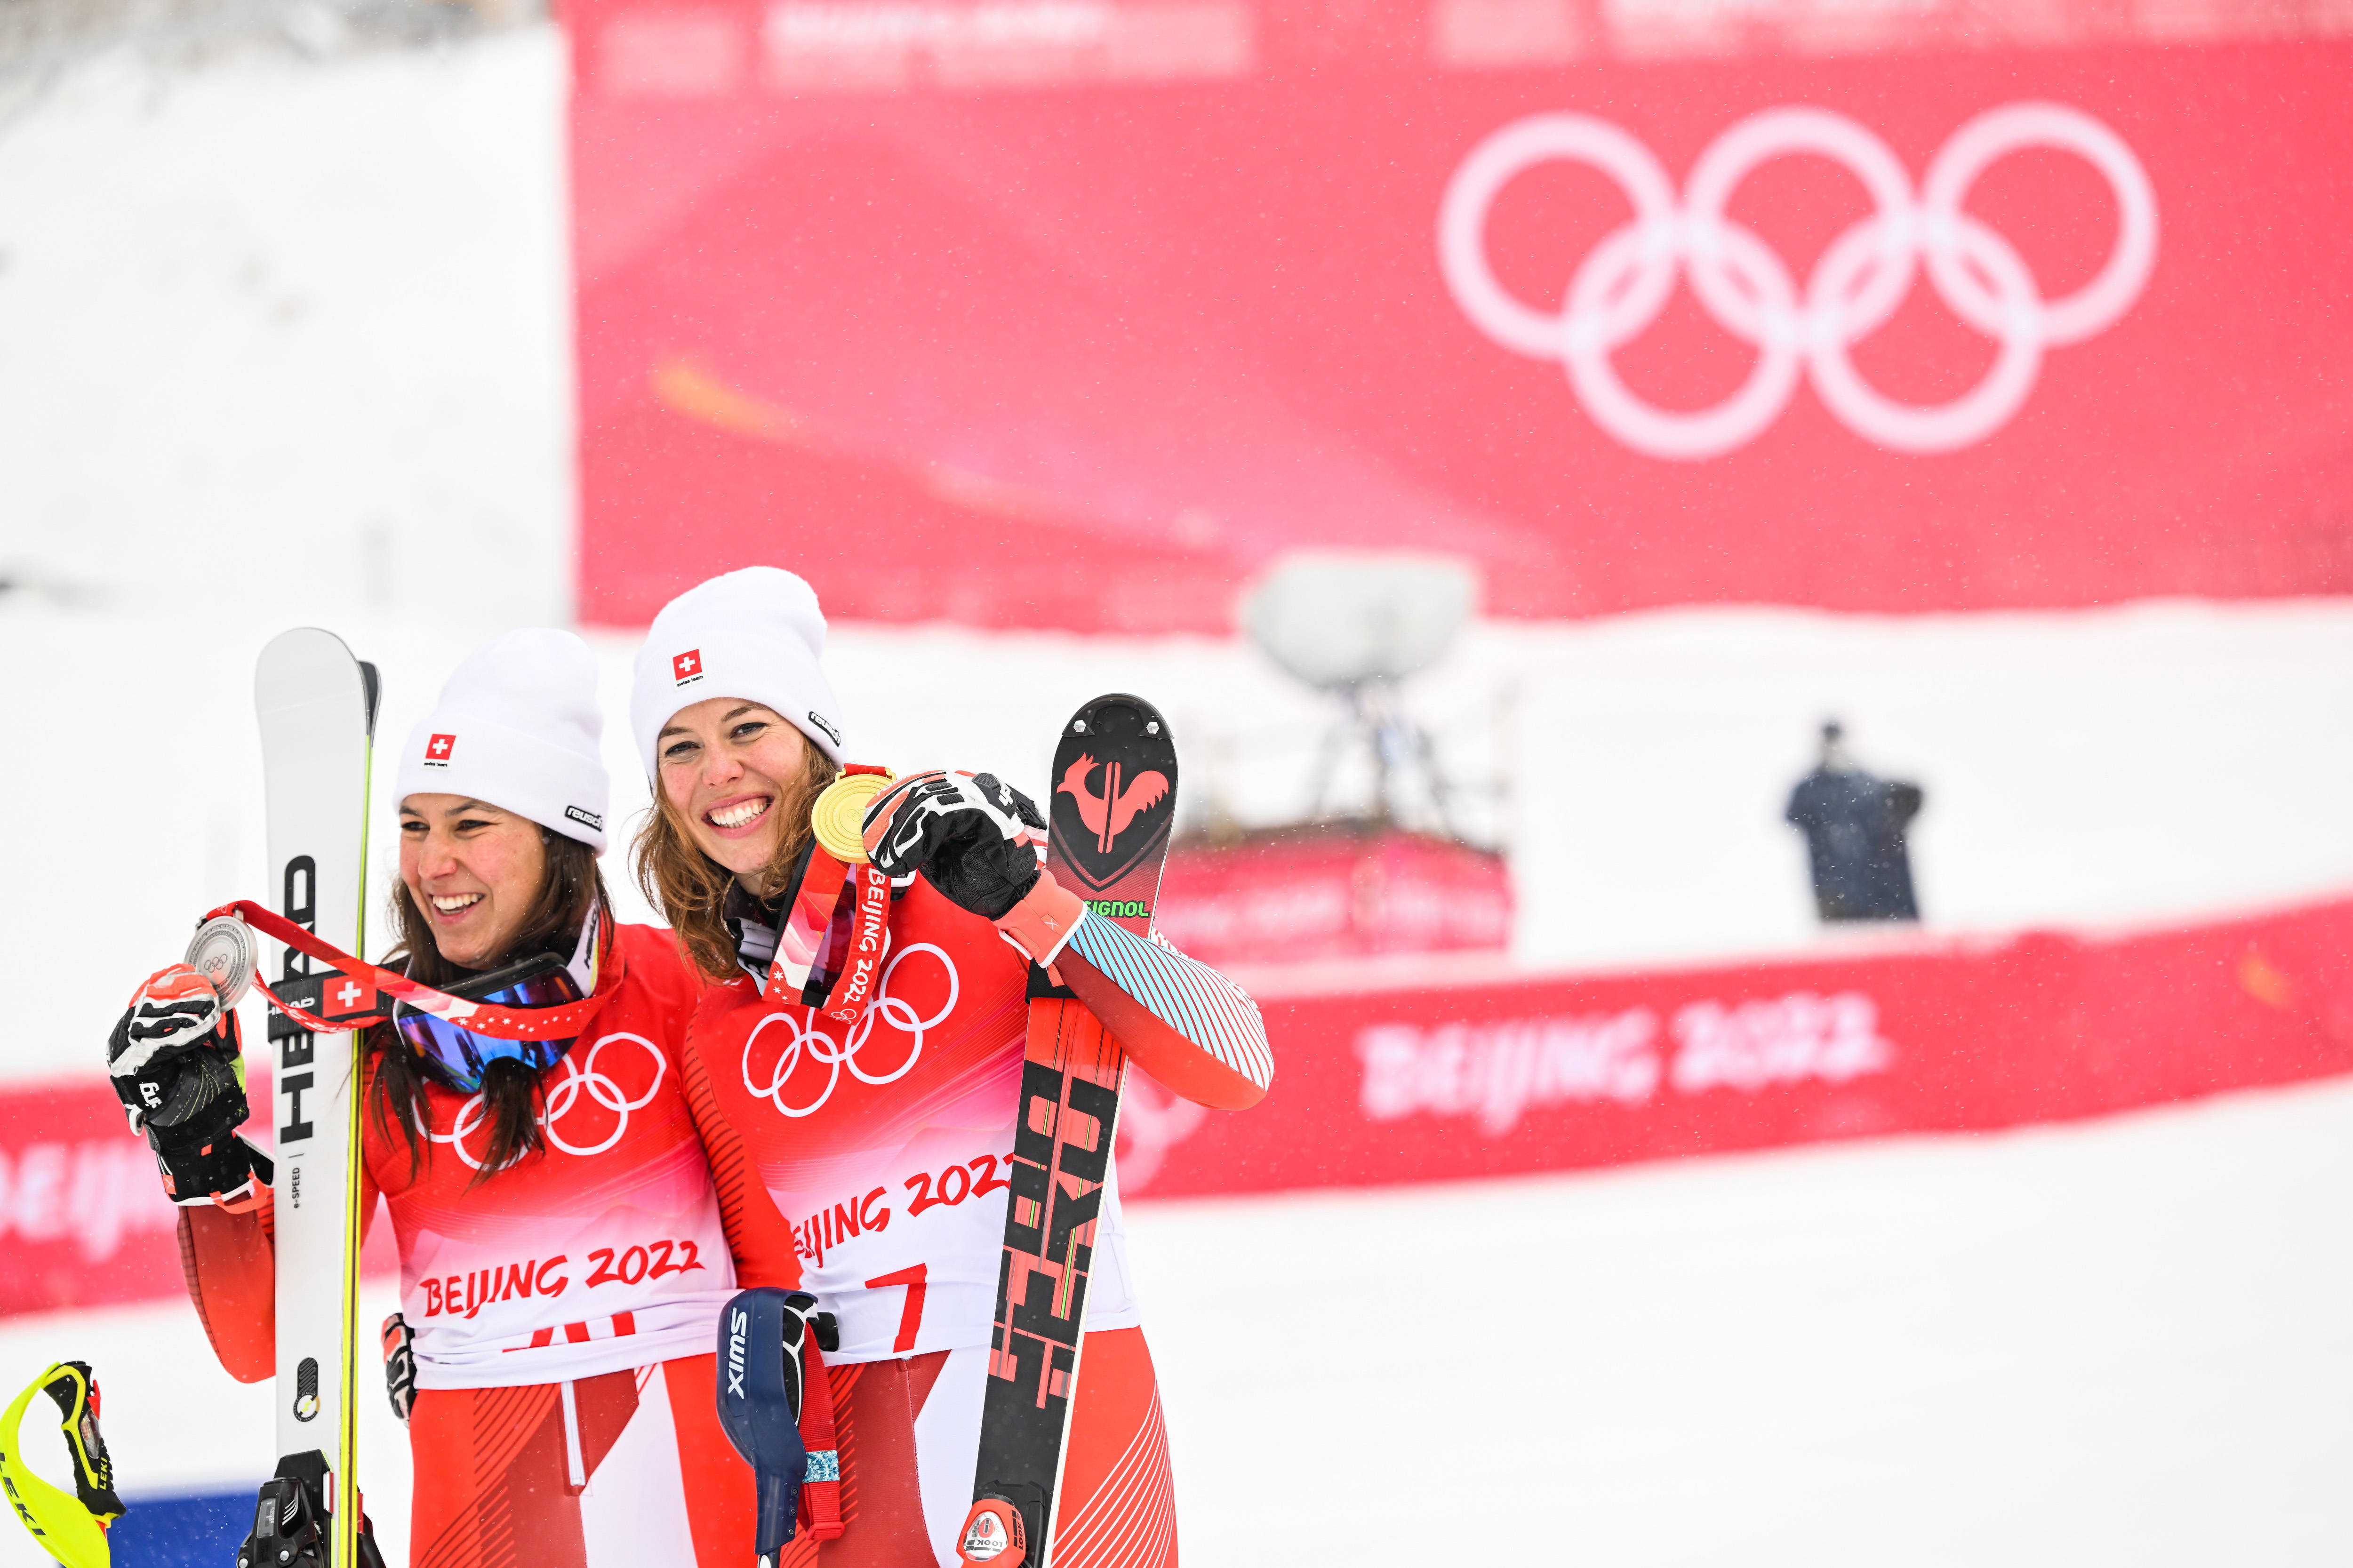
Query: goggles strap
839	887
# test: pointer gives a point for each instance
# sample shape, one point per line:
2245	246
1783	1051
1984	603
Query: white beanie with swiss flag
517	728
755	634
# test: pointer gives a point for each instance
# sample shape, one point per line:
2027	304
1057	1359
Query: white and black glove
172	1059
802	1325
400	1365
977	839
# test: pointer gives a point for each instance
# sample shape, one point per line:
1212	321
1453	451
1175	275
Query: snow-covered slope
288	335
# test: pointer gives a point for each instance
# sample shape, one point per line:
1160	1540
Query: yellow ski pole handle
69	1528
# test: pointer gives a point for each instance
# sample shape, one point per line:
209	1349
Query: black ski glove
172	1059
975	839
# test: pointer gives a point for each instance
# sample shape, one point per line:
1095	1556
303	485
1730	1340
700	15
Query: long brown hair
690	888
569	886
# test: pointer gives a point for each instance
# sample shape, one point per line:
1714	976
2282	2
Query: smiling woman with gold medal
876	1099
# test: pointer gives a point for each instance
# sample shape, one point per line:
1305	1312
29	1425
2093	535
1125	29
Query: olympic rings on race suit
820	1046
1857	283
577	1077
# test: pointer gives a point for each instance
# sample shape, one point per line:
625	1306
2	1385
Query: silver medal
224	953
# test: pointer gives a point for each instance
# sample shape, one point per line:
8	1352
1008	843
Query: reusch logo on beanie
438	750
686	668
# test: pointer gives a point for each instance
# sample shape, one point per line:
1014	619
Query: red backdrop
1059	313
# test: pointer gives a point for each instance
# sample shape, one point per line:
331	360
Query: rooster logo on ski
1112	811
1108	814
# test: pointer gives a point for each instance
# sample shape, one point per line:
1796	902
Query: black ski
1113	806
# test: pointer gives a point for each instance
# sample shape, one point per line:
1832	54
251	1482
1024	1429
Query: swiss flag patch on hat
687	668
438	750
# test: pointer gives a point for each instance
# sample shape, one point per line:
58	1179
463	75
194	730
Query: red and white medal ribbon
838	864
365	994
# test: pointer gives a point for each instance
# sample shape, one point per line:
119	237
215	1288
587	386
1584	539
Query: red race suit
885	1143
565	1309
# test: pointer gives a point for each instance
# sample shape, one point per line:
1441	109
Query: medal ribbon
869	938
800	945
368	990
838	881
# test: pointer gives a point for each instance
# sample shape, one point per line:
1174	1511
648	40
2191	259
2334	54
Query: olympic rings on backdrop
819	1045
580	1077
1857	283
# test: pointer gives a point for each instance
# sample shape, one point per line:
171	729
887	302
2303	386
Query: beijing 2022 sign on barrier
1070	313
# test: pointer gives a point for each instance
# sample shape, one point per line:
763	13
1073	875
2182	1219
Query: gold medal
838	817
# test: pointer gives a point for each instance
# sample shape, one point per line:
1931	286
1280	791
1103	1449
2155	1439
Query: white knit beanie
754	634
517	728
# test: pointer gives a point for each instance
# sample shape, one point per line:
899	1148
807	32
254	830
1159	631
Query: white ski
317	707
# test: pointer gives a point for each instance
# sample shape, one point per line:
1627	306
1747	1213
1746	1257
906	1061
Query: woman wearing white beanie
564	1250
886	1140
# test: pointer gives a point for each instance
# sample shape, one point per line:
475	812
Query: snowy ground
2117	1344
284	344
277	333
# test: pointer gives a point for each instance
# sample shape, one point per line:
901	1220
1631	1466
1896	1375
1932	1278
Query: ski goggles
455	1056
